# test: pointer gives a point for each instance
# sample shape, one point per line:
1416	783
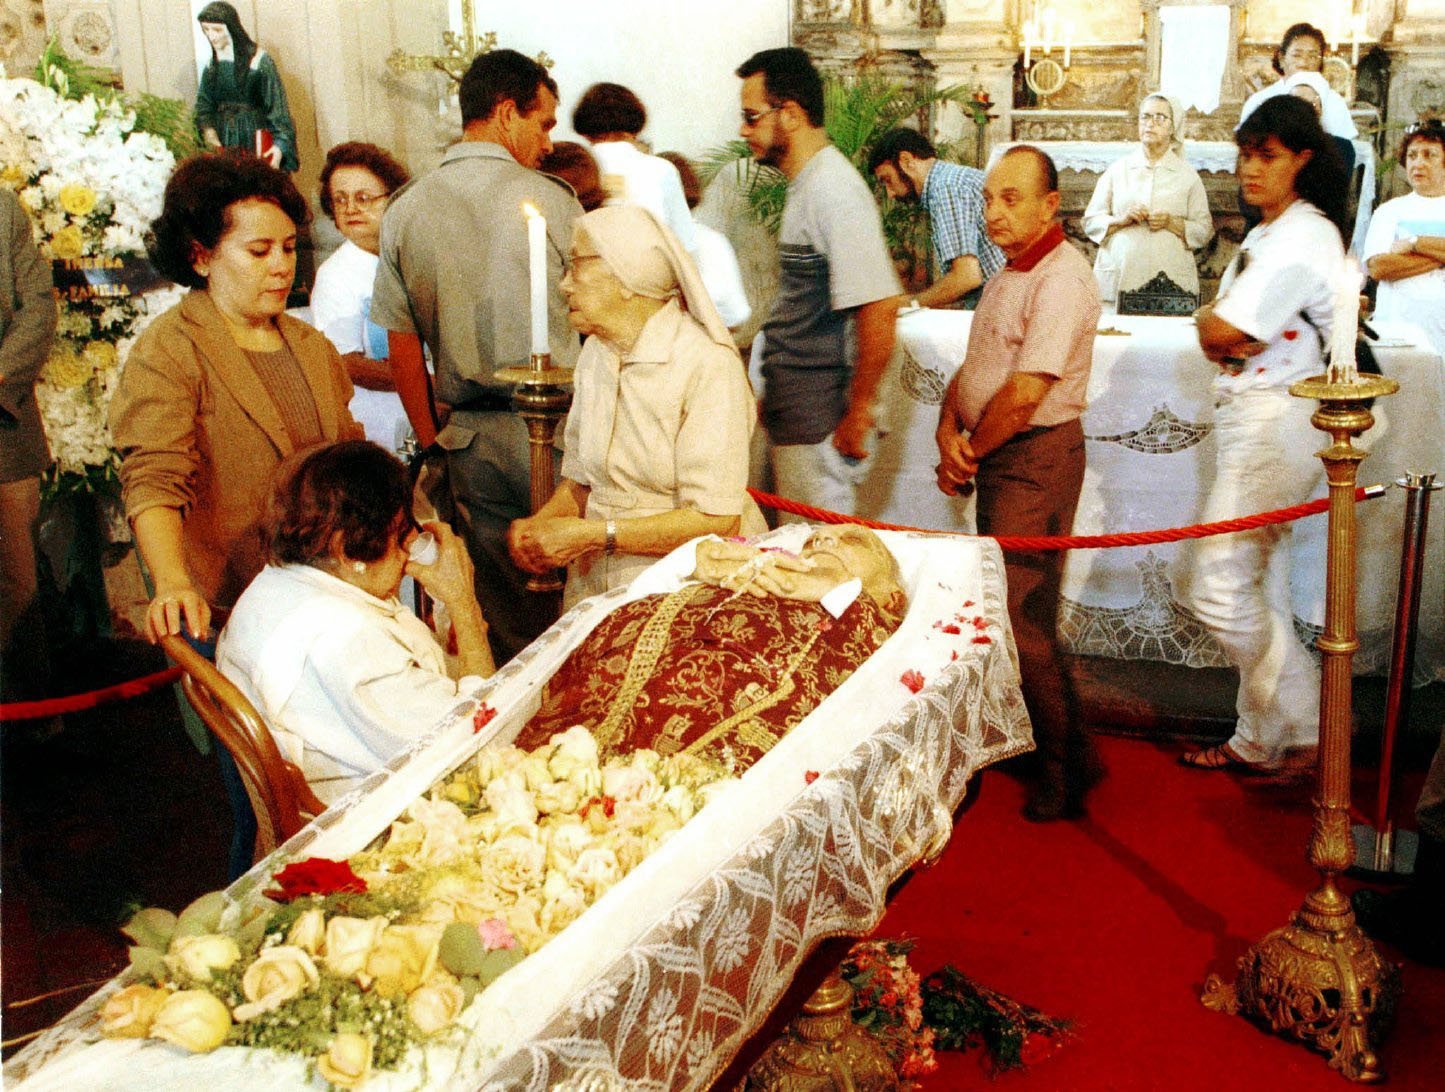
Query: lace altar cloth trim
659	983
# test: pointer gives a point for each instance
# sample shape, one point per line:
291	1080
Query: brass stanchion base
823	1050
540	399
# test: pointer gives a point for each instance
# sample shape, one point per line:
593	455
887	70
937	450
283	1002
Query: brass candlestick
1319	979
540	398
823	1050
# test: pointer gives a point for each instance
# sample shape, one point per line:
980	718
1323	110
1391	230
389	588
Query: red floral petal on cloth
314	876
608	805
809	776
1290	335
953	655
951	628
482	717
912	679
982	639
979	623
968	602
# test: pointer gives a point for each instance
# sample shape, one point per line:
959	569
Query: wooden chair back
280	796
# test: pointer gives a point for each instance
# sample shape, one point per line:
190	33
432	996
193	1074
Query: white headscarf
1334	114
650	260
1176	117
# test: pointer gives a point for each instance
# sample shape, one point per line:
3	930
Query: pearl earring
358	566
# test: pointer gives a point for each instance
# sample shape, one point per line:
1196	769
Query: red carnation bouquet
887	1002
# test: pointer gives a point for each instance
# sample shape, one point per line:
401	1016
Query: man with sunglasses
829	335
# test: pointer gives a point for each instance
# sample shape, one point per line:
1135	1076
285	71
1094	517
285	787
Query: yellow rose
193	1019
348	1061
349	942
435	1005
403	958
101	355
129	1013
65	369
198	956
279	974
308	931
68	242
76	199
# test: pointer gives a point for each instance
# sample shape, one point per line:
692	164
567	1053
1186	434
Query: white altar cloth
1150	464
658	984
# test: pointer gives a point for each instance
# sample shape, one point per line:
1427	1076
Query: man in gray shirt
454	275
829	335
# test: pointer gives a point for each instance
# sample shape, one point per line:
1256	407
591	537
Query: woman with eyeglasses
1149	212
1303	50
1405	247
1267	329
357	180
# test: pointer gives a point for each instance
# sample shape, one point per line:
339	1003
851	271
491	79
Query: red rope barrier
1079	542
74	703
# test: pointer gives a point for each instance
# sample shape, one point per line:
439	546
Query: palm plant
858	111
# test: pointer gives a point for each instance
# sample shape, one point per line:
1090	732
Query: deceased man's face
848	550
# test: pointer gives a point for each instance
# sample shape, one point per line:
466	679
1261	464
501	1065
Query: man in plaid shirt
907	165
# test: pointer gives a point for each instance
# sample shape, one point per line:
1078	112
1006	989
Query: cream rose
403	958
596	869
193	1019
349	942
347	1062
512	805
197	957
514	863
130	1013
493	762
523	918
562	903
575	759
567	837
680	801
308	932
635	782
279	974
558	798
435	1004
534	768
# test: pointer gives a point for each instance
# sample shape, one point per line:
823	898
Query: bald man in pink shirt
1009	425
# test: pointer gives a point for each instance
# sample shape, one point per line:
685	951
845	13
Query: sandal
1218	757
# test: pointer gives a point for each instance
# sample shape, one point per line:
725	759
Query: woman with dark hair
241	95
344	675
1303	50
357	180
574	165
717	261
1268	328
612	118
221	388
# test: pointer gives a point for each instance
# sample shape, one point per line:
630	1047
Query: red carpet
1114	921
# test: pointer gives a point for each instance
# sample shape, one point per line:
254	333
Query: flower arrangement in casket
352	963
92	181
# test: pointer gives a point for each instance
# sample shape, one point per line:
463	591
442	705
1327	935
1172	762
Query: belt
486	402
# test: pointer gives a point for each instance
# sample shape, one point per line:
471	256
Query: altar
659	983
1150	465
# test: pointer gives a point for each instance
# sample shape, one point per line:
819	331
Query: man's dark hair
502	74
354	488
1430	131
196	210
608	108
1048	173
355	153
895	142
1299	30
788	76
1323	181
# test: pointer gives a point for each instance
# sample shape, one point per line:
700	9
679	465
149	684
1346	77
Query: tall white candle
1068	41
537	265
1357	31
1346	322
1028	42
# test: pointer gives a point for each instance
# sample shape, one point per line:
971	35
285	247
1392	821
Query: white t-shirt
632	177
1419	300
341	309
1279	290
721	275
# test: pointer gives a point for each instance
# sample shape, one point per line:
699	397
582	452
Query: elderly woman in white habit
1149	212
657	439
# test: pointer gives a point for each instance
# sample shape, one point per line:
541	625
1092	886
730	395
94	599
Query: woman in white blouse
1149	212
342	672
657	439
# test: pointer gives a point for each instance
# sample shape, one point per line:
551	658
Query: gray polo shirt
453	266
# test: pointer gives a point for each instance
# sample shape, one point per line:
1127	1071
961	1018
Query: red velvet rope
1079	542
32	710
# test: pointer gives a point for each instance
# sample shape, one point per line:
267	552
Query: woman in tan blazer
221	388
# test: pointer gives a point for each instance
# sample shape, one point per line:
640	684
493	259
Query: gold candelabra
1319	979
541	399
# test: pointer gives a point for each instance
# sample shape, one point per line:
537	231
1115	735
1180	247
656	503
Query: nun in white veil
657	438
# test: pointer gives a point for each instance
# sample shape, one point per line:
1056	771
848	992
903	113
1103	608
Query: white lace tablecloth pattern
658	984
1150	465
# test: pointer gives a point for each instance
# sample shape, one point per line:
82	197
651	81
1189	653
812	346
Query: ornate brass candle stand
541	399
824	1051
1319	979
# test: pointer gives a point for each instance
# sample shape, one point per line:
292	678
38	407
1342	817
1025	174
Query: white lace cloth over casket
658	984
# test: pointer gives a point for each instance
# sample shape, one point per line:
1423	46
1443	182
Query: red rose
315	876
912	679
482	717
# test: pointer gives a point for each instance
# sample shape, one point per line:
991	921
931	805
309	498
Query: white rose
493	762
348	943
629	848
631	783
523	918
562	903
575	758
347	1062
434	1005
193	1019
514	863
308	932
566	837
680	802
558	797
279	974
198	956
534	768
646	759
511	804
596	870
130	1013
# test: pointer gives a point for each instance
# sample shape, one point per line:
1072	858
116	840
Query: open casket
659	983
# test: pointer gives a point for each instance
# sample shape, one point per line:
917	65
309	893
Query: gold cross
460	50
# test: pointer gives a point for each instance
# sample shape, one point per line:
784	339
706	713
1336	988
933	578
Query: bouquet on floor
887	1004
352	963
965	1014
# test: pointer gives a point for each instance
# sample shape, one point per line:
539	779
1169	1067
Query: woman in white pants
1267	329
